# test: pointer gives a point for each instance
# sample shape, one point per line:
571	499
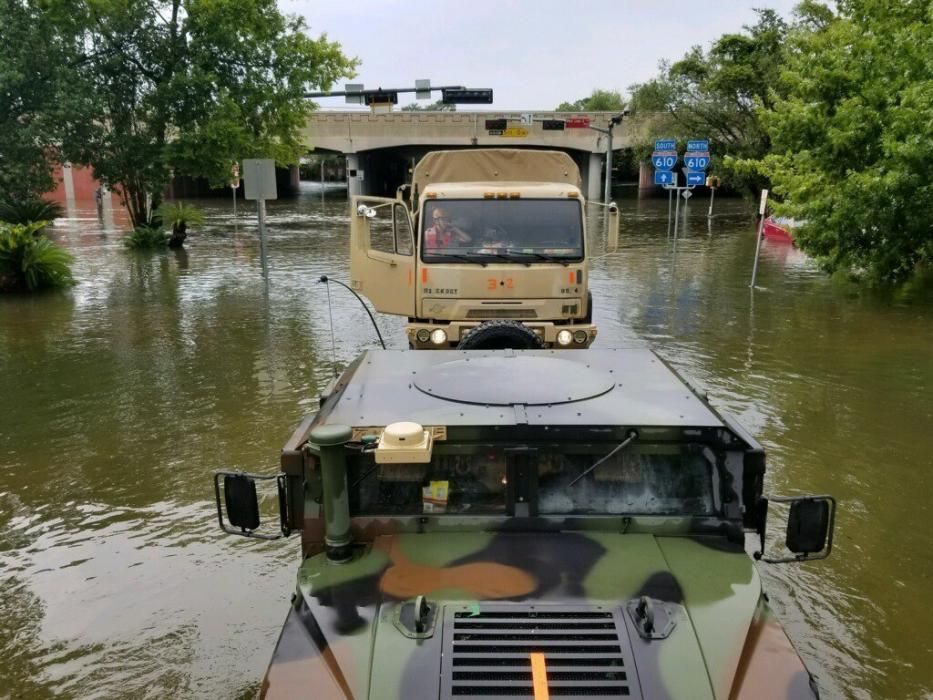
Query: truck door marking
424	275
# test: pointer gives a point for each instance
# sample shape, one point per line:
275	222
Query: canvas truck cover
495	164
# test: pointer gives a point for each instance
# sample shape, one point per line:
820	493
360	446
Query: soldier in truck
443	232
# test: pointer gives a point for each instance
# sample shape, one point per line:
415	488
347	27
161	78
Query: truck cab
526	523
488	252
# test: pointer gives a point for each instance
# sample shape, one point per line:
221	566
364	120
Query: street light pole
613	122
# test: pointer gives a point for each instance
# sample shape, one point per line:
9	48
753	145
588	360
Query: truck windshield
502	230
653	482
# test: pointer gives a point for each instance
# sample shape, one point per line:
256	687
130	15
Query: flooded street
120	397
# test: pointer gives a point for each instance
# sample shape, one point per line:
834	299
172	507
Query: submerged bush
29	261
28	211
146	238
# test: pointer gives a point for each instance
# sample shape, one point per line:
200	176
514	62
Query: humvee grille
487	653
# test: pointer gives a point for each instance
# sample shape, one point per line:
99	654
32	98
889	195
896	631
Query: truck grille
501	313
487	653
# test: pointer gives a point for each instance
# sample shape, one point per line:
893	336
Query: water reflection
121	396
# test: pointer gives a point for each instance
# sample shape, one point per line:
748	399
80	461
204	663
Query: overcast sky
533	53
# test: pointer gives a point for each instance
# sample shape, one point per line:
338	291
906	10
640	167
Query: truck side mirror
241	503
810	527
612	243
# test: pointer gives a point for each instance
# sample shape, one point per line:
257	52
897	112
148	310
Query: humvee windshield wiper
540	256
629	439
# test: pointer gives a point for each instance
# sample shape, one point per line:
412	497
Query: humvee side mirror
241	502
809	528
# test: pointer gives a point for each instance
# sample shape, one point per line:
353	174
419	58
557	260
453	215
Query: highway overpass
381	148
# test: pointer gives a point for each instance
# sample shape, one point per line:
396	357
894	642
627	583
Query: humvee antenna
325	279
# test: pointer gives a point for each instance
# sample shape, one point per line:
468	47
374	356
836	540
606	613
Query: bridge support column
354	184
593	179
646	185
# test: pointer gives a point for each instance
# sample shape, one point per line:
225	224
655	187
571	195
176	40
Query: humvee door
382	254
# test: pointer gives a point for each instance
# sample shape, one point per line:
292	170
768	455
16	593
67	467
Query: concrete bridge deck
380	148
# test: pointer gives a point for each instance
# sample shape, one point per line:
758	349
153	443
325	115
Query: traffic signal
466	96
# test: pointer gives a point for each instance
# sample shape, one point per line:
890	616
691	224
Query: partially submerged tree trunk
179	234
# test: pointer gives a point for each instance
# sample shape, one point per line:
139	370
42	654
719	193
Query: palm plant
27	211
30	261
146	238
179	215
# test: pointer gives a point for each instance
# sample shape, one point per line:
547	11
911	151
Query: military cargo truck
525	524
488	251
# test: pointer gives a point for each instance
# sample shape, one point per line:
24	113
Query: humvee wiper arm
629	439
540	256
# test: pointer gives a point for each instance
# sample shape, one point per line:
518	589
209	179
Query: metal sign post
761	226
259	184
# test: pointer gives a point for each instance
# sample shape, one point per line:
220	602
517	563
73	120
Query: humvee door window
629	483
382	230
502	230
464	484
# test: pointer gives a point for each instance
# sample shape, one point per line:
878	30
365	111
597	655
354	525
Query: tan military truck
487	251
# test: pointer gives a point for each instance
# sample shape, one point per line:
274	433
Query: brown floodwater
119	397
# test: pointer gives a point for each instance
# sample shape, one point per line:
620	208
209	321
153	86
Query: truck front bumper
422	336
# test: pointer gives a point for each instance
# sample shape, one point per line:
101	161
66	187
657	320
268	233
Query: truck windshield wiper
501	257
540	256
464	258
629	439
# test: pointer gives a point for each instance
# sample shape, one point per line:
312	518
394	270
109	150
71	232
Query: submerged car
525	524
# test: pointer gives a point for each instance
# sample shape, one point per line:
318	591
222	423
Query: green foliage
438	106
852	153
598	101
718	94
29	261
37	111
190	87
177	213
29	210
145	237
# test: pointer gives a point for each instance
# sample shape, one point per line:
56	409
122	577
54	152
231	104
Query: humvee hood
494	598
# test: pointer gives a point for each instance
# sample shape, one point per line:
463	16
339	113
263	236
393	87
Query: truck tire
499	335
589	308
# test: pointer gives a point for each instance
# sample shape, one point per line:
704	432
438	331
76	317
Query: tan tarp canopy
495	164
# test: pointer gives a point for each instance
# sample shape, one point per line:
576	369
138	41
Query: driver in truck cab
443	233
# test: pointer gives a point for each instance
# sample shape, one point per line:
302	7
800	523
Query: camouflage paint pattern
340	640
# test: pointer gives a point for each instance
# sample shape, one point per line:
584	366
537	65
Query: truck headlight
579	337
564	337
423	335
438	337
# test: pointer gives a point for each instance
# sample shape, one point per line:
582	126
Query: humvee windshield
497	230
654	482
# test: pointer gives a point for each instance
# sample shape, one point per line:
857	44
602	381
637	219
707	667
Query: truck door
382	254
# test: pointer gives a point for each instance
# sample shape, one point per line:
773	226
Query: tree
718	94
190	87
851	149
34	73
598	101
439	106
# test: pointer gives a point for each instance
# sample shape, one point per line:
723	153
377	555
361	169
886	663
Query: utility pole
613	122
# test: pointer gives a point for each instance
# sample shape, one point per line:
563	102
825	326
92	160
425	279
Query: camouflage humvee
526	524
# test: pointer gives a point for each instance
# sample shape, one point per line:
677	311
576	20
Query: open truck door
382	254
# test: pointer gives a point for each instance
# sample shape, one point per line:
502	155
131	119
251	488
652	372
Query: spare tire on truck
499	335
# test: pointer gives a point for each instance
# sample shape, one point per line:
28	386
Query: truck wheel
499	335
